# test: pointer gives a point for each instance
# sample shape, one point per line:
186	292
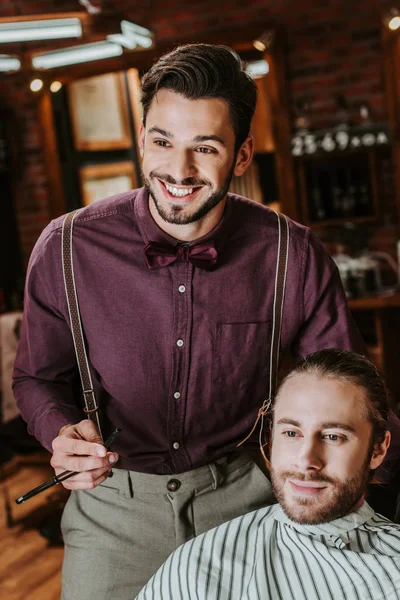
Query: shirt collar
335	533
151	232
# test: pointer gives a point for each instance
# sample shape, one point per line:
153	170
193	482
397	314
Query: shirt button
173	485
182	289
176	445
179	343
177	395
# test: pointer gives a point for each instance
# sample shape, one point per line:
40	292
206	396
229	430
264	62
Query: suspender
279	296
280	284
91	407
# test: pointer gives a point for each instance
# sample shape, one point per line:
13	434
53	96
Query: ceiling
168	19
171	21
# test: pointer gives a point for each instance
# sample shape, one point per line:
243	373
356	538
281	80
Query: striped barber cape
266	556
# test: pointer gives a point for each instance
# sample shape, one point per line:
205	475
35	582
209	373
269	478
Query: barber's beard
338	499
182	215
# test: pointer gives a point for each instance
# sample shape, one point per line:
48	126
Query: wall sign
325	142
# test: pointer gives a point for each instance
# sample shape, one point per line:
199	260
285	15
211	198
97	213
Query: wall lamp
264	41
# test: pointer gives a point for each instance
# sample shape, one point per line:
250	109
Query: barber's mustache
188	181
316	477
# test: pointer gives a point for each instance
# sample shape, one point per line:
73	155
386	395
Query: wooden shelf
389	300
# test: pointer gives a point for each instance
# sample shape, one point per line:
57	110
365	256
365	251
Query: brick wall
333	47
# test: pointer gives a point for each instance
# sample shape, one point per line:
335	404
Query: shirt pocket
241	357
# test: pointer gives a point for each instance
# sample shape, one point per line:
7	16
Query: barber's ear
244	156
380	451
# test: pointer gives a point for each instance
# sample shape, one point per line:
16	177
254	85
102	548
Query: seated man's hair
359	371
204	71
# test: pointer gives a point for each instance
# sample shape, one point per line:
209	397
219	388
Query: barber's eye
204	150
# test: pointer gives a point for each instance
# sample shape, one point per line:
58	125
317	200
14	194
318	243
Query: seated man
322	541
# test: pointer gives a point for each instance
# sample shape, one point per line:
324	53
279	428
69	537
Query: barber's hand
80	448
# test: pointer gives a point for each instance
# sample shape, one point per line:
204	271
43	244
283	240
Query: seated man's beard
338	500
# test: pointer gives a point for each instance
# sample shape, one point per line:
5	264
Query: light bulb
394	23
36	85
55	86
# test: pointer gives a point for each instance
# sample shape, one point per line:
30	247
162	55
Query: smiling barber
176	285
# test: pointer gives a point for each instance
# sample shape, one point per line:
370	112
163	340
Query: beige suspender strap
91	407
280	285
279	296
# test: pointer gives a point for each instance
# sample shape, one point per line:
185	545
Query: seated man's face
321	448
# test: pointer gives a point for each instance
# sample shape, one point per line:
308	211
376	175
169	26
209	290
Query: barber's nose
308	456
181	166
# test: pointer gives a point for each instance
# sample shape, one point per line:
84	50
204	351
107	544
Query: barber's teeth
179	192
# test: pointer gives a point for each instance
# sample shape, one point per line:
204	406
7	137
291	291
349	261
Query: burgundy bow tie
161	255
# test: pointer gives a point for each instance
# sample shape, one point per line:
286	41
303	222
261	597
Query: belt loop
214	473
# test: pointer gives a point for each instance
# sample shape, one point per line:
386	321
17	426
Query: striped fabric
266	556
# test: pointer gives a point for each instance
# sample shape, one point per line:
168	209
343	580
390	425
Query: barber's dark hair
355	369
202	71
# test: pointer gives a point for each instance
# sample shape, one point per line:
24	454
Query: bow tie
161	255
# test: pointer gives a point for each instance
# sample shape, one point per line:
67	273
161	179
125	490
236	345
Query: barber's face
321	449
189	158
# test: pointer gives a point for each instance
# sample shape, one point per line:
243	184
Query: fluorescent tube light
143	40
132	35
123	40
76	54
49	29
9	63
131	28
257	68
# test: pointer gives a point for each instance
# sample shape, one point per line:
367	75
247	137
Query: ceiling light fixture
258	68
36	85
46	29
392	18
394	23
9	63
132	35
55	86
76	54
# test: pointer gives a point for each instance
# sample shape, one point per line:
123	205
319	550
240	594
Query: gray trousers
117	535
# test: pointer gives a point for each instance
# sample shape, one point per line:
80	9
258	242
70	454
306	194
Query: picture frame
99	113
103	180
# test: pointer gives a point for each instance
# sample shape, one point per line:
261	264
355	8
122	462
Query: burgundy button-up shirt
179	355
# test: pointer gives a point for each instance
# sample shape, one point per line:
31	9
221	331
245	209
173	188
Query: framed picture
100	181
135	90
99	113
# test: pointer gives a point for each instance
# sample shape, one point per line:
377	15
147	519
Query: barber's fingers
82	438
61	462
87	430
87	480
